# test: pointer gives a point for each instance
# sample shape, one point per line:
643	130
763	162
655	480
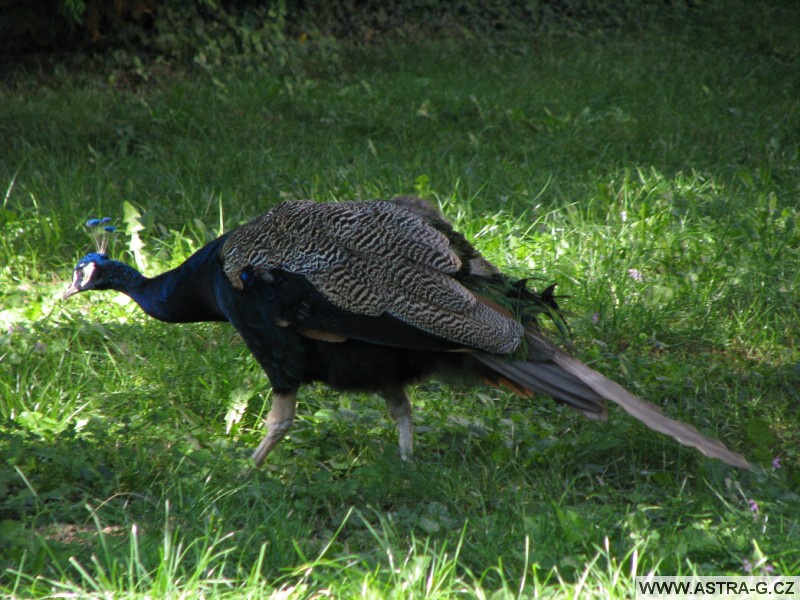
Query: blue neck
185	294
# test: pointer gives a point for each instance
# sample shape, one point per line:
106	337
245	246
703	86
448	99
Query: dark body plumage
373	296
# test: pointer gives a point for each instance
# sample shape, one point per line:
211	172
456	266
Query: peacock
374	296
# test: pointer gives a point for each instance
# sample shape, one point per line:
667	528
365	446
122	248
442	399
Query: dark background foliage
191	29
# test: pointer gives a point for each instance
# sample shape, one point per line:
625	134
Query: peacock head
95	271
91	273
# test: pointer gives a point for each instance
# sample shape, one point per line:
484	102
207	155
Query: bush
216	31
208	31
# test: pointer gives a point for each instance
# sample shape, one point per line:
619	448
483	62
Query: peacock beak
70	291
75	286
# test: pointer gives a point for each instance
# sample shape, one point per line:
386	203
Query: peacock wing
371	259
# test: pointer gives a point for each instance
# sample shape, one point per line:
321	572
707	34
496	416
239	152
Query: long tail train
555	373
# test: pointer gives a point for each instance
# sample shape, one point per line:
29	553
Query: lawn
653	174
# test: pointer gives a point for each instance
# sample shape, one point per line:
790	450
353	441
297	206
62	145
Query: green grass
575	159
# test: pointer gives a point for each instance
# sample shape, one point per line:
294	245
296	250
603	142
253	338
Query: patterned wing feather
371	258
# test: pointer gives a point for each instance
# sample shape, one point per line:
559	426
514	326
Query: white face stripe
82	276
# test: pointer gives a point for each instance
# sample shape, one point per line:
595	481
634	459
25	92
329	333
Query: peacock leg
278	422
400	411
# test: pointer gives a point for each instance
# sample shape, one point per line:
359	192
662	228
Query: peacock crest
102	232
